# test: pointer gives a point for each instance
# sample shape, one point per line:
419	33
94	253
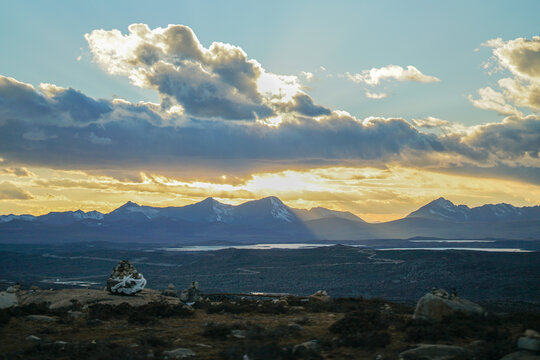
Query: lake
406	246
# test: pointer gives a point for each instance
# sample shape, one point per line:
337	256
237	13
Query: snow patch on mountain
280	211
223	212
11	217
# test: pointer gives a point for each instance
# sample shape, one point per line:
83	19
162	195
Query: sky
371	107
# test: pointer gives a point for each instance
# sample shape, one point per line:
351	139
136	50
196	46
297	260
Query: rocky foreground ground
94	324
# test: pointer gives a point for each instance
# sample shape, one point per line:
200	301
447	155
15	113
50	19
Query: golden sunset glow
374	194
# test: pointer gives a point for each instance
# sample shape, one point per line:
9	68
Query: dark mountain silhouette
267	220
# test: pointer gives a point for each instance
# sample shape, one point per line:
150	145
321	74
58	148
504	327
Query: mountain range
267	219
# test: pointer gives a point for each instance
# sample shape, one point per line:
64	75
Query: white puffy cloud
521	57
377	96
218	82
430	122
491	99
391	72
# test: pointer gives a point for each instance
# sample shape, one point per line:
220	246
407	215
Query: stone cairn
192	294
125	279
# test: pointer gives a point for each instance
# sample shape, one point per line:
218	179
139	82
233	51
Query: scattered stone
436	352
439	304
33	338
528	343
294	327
125	279
94	322
308	347
75	314
169	292
180	353
320	296
192	294
8	299
386	309
10	290
171	286
239	334
521	355
42	318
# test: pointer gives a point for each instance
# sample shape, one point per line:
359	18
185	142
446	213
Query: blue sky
44	40
371	107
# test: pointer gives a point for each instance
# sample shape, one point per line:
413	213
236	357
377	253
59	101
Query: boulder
439	304
180	353
320	296
8	299
192	294
521	355
125	279
529	341
436	352
307	348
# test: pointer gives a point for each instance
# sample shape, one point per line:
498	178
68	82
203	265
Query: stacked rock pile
125	279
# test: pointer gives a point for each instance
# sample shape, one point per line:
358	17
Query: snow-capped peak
280	210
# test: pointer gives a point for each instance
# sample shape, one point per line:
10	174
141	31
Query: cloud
430	122
8	191
51	104
514	138
190	128
521	57
16	171
491	99
218	82
131	136
99	140
391	72
373	95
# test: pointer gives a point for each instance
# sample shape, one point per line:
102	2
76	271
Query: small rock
180	353
35	288
436	352
191	294
171	286
61	344
75	314
32	338
169	292
308	347
42	318
320	296
204	346
94	322
528	343
531	334
294	327
521	355
10	290
8	299
239	334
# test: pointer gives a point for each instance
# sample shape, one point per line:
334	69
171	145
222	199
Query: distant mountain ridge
267	220
207	211
442	209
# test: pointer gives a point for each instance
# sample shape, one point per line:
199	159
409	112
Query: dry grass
346	329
